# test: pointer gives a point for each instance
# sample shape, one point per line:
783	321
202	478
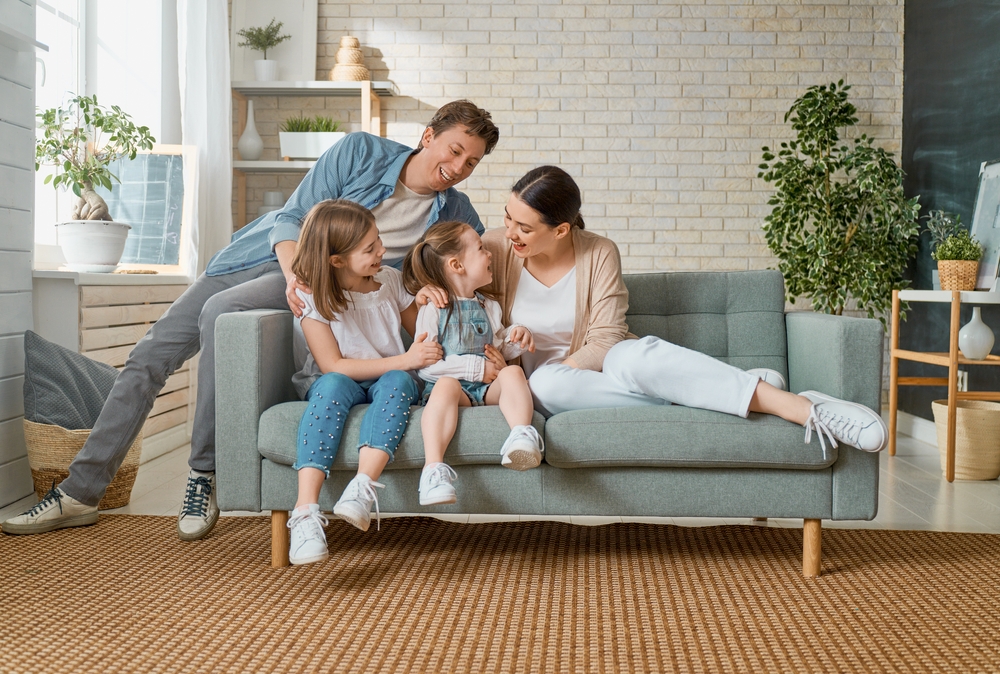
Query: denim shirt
361	167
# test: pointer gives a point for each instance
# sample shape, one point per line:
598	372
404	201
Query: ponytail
578	222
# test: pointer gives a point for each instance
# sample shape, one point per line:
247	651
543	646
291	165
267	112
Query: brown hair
332	227
553	194
477	121
424	264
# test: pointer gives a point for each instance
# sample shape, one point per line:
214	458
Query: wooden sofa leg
279	538
812	546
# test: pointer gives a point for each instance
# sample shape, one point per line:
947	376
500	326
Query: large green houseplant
841	225
81	141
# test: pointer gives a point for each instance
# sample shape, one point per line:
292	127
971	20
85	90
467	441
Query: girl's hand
494	363
521	336
423	353
438	296
295	303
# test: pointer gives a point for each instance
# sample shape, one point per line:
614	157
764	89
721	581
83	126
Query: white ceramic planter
265	70
92	245
308	145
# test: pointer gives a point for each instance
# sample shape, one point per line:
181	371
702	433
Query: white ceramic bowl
92	245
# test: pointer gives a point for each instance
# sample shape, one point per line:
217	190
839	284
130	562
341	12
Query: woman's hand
423	353
494	363
521	336
439	296
295	302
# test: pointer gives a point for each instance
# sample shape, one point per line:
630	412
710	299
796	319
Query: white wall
17	114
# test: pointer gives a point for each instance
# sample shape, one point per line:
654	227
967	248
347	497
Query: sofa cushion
481	431
676	436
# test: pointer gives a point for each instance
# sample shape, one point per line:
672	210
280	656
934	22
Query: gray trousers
189	324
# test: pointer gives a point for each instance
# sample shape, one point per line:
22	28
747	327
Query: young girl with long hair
473	371
351	323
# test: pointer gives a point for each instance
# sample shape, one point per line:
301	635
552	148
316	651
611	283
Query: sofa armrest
253	371
842	357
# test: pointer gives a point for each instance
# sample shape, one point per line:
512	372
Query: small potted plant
956	252
81	141
308	138
262	39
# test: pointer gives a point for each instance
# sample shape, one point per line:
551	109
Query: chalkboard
150	198
951	125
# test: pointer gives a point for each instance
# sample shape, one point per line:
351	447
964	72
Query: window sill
94	279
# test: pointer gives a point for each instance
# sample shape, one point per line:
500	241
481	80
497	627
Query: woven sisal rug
428	596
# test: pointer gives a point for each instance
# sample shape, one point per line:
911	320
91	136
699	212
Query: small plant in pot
956	251
308	138
261	39
81	141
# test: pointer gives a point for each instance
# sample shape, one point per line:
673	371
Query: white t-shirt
549	313
401	219
367	329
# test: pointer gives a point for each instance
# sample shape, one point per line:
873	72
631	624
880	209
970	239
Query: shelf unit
369	92
951	360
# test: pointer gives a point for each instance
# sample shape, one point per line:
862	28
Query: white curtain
206	120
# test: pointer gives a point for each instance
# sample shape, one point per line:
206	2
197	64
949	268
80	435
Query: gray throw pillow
63	387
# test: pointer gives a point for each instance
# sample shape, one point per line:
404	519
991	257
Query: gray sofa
662	460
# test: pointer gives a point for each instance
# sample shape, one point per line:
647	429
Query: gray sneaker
199	511
843	421
57	510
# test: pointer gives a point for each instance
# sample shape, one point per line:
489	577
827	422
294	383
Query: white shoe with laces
772	377
200	509
843	421
355	504
307	542
435	485
56	510
523	448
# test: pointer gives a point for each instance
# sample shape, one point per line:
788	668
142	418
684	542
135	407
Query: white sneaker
57	510
355	504
772	377
307	542
847	422
522	449
435	485
200	510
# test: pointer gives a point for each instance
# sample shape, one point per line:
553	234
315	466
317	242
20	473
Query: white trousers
647	371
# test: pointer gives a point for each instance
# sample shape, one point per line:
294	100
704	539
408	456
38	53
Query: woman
565	285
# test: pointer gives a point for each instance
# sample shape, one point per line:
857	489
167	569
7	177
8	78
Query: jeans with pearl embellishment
331	398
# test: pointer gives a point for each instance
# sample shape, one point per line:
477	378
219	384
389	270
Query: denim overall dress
465	331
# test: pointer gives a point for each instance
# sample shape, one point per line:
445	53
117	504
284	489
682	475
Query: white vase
250	145
975	339
265	70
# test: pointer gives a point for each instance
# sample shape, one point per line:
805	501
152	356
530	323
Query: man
407	190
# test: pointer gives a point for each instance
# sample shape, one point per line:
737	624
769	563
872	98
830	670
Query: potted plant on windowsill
81	141
308	138
261	39
956	252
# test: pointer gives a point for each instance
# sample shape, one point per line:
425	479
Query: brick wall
659	110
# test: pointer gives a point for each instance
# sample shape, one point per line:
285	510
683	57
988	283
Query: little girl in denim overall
351	323
476	346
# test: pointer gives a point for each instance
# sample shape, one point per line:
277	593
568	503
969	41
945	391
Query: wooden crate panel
165	421
114	357
103	338
92	296
11	440
170	401
176	381
16	230
93	317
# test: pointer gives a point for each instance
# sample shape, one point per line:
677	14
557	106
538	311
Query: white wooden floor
913	495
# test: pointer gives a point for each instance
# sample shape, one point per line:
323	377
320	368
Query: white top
549	313
467	367
367	329
401	219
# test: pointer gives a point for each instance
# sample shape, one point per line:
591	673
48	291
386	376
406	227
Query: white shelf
968	296
314	88
19	41
95	279
273	166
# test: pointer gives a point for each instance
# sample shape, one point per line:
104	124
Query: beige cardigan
601	296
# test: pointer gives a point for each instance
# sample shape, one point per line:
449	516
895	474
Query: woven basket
350	42
52	448
342	73
958	274
977	438
347	56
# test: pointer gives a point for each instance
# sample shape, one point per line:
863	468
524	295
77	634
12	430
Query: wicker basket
977	438
958	274
52	448
344	73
